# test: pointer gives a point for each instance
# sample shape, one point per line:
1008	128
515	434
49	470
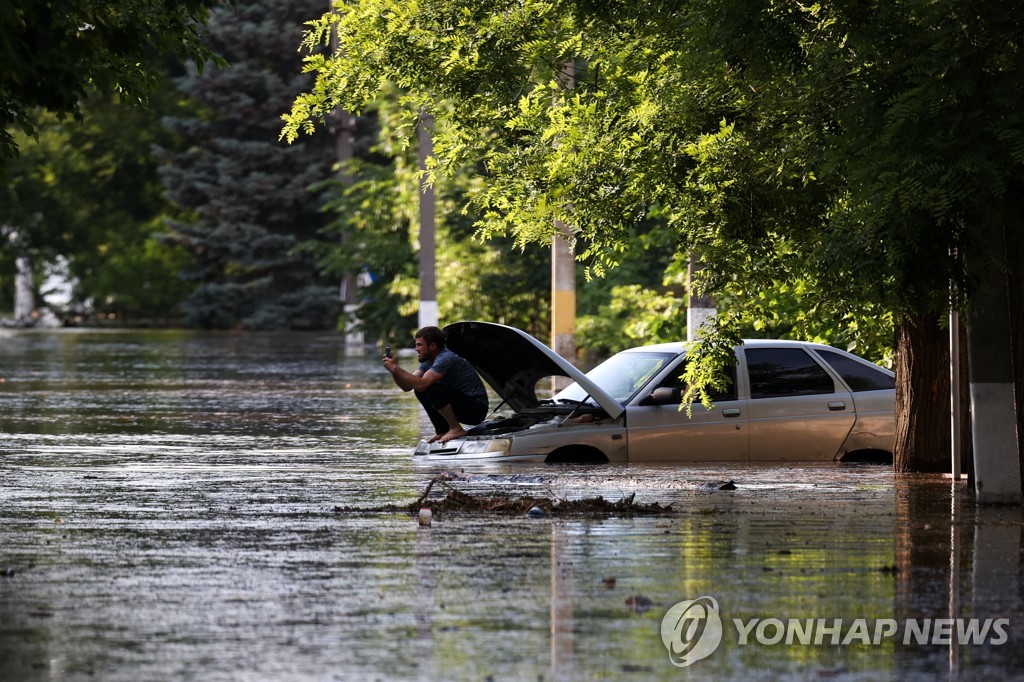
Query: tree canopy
852	152
53	53
244	197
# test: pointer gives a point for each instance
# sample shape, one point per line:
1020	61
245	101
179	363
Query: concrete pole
954	390
997	471
428	316
24	285
563	278
563	299
700	307
24	292
355	340
344	128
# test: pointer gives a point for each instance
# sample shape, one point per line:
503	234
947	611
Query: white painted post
954	389
993	401
24	291
700	307
428	316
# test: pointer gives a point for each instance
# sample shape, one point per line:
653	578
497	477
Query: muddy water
170	509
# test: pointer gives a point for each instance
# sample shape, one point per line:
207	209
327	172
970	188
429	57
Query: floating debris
458	501
638	603
719	485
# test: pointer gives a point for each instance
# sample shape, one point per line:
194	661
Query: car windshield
621	375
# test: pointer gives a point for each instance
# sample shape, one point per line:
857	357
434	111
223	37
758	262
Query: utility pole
563	299
344	128
563	278
24	292
997	467
428	316
700	307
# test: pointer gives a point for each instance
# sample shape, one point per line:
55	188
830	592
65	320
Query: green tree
864	150
245	199
55	53
87	193
378	213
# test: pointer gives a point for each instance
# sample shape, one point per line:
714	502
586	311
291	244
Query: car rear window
776	372
857	375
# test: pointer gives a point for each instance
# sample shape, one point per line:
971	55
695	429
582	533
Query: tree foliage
54	53
377	211
851	150
244	199
87	193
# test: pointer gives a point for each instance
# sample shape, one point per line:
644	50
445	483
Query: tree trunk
923	429
966	437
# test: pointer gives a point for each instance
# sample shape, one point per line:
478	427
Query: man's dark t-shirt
457	375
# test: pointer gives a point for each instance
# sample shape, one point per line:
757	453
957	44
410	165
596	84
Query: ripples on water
169	512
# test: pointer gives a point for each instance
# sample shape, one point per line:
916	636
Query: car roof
680	346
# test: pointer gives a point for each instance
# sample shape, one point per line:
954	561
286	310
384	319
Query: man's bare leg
455	429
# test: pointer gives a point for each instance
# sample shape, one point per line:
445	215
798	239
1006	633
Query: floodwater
178	506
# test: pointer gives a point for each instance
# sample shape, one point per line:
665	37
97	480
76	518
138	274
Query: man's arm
411	381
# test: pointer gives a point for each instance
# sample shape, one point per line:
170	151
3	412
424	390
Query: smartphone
387	351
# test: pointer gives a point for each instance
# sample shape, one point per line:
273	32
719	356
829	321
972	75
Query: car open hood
512	362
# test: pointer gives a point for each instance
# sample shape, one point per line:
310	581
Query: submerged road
172	507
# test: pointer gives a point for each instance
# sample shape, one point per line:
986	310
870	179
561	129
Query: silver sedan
785	401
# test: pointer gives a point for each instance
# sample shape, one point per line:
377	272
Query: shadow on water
167	512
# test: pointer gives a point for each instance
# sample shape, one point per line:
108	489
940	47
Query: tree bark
923	430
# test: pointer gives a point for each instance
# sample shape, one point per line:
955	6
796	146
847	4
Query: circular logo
691	630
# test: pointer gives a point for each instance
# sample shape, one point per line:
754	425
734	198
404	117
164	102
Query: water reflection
168	512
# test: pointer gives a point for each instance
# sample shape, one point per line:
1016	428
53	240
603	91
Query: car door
796	408
662	432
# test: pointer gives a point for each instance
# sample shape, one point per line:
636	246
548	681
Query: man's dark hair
431	335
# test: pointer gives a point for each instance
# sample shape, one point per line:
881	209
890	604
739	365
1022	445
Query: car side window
674	380
776	372
857	375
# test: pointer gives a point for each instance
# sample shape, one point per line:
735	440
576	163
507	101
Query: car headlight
488	445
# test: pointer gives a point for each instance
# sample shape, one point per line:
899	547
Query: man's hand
390	363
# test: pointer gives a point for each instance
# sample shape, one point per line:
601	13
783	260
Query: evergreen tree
244	197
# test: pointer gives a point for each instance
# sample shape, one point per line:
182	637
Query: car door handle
733	412
837	406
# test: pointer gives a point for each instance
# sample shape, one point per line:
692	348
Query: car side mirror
665	395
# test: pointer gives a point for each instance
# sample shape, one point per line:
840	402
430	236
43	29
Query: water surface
177	506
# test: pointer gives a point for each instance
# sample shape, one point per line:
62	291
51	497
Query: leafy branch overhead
55	53
860	149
